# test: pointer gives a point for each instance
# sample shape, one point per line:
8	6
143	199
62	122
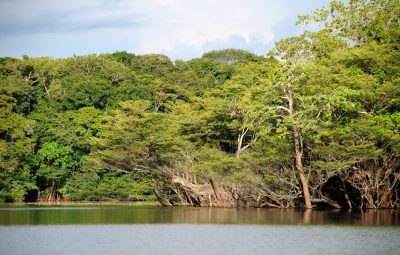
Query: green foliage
110	186
359	21
106	127
123	57
213	72
230	56
56	161
16	146
155	64
15	185
85	94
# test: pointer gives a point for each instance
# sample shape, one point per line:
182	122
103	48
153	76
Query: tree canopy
314	122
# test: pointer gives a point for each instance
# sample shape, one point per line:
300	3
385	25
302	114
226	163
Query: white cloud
195	23
144	26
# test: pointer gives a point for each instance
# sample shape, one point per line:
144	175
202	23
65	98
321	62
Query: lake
127	229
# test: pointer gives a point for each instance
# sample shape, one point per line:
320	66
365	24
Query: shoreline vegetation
315	123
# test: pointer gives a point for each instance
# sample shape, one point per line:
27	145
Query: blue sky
180	29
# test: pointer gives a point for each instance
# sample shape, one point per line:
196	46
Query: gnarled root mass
334	192
211	194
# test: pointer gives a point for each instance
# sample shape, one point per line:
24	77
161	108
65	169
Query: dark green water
199	231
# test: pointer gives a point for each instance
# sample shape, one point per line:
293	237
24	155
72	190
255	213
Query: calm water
155	230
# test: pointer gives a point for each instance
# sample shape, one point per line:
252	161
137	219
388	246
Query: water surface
151	230
36	215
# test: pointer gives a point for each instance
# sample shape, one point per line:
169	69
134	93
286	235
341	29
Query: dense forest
314	122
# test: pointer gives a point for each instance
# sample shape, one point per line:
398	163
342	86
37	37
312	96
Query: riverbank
82	203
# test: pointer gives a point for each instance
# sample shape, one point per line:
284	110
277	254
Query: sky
180	29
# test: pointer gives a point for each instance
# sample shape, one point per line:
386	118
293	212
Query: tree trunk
298	149
164	202
299	166
51	196
240	139
346	195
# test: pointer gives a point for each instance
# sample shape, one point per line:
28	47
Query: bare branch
283	108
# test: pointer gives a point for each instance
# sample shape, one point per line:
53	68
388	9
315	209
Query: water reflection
187	215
